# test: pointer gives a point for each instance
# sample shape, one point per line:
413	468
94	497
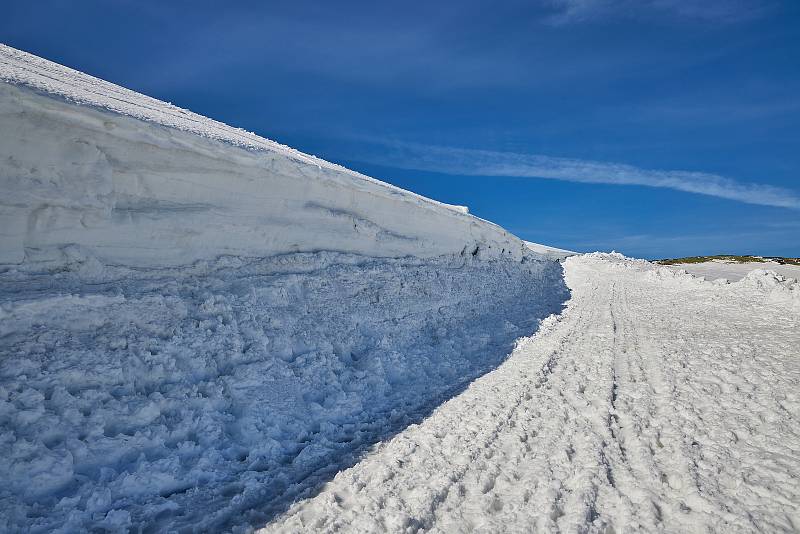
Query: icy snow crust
657	402
136	181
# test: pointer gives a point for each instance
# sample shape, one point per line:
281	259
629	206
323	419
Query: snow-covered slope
657	402
88	167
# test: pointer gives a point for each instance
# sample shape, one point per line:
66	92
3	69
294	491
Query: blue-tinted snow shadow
464	326
265	378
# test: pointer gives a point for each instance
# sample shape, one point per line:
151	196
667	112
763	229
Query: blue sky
654	127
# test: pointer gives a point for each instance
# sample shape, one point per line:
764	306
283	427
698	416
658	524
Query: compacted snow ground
655	402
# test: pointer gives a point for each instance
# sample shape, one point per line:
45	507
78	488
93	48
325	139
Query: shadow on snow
213	397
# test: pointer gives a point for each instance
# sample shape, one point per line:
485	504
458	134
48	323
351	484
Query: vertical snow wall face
88	165
199	326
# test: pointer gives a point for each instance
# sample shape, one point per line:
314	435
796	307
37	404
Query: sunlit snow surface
657	402
135	181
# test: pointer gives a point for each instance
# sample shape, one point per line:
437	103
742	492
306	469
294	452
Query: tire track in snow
613	417
645	415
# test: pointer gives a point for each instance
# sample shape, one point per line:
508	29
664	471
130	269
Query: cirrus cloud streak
472	162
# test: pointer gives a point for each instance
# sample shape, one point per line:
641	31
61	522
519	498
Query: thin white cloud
721	11
469	162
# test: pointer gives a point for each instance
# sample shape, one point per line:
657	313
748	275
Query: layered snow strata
136	181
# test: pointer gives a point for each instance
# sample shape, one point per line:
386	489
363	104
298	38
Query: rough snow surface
656	402
207	398
86	164
715	270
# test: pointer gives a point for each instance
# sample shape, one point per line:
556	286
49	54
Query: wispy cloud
721	11
470	162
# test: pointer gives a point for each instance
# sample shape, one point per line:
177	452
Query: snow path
655	402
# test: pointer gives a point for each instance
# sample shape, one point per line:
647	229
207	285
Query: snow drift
198	325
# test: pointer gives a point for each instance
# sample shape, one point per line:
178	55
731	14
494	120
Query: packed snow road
655	402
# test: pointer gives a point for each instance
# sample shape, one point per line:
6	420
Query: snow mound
135	181
781	290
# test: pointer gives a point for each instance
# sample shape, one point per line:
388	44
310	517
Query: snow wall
135	181
198	325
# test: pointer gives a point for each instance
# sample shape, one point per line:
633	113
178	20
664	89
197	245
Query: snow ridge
21	68
135	181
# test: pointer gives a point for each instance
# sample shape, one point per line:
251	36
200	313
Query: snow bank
136	181
198	325
210	397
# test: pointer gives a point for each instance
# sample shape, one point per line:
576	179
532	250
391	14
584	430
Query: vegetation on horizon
730	258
